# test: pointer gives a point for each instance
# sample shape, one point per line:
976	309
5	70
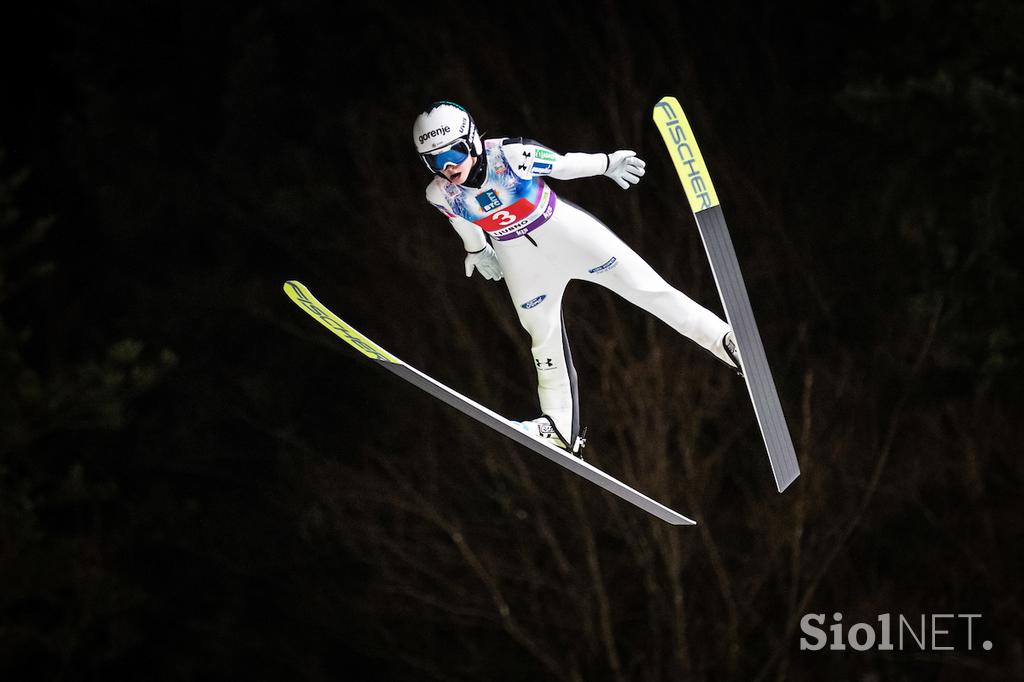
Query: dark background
198	482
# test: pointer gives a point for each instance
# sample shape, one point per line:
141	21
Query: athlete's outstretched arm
531	159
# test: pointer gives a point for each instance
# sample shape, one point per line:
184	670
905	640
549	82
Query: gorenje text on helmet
435	132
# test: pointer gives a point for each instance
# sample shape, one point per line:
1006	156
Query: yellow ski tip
686	156
302	297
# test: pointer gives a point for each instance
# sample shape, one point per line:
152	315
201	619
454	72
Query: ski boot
729	344
543	427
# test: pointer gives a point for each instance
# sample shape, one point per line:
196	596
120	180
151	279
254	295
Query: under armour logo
522	166
547	362
526	155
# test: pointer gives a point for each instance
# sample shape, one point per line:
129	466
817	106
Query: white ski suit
542	242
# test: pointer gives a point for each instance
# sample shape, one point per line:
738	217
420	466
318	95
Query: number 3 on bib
506	216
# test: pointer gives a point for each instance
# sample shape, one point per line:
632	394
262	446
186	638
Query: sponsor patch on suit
534	302
604	267
488	200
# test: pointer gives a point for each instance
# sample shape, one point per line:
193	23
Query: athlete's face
457	174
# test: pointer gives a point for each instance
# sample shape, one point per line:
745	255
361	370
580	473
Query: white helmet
445	134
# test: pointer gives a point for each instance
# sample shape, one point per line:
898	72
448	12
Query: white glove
625	168
486	262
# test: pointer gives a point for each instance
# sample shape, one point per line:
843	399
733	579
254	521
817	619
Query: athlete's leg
556	376
618	267
536	286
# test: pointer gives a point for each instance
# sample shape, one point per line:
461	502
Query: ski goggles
453	155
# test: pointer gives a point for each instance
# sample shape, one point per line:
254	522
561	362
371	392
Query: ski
301	296
700	192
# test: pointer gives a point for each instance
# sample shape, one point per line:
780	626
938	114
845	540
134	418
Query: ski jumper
542	242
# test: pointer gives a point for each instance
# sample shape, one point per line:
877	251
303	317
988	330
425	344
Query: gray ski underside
757	374
556	455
